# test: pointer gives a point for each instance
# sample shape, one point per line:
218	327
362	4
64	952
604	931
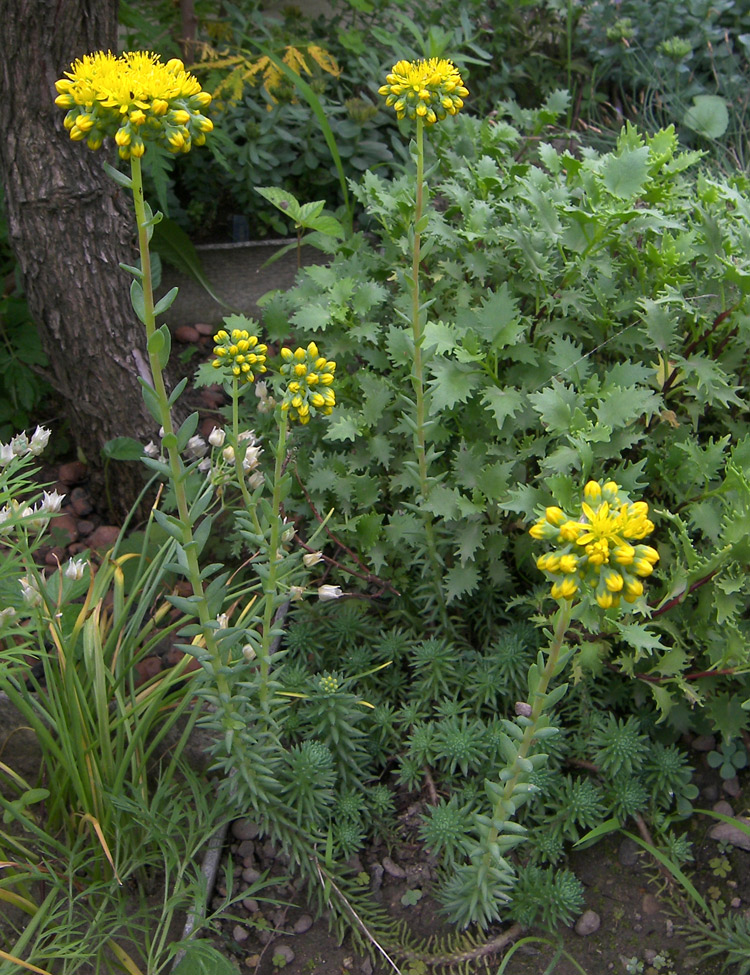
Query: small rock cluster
79	527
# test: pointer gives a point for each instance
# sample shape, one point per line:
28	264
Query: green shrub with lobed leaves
585	312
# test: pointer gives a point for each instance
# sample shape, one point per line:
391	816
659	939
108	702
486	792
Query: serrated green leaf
626	175
459	580
440	337
452	383
342	427
502	403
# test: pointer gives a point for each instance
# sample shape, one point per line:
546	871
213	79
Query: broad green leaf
283	200
708	116
123	448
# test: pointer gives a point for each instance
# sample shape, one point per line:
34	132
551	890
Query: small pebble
393	869
727	833
55	556
186	334
587	923
251	905
703	743
731	786
650	905
250	875
723	807
710	792
72	473
366	967
240	934
64	529
252	961
146	669
735	902
245	850
285	951
85	527
628	853
303	923
204	328
244	829
104	536
80	502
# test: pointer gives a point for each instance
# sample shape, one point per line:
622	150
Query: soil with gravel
632	913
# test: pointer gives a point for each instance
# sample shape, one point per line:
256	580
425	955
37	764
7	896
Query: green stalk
562	622
269	586
165	417
417	376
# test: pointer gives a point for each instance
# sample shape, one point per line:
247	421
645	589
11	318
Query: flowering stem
177	471
539	697
416	321
418	368
269	585
238	457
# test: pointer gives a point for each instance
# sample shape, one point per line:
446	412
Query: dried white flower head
75	569
216	437
329	592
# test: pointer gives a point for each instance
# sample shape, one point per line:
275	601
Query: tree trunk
70	226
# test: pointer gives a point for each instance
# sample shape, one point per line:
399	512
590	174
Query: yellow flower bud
624	554
648	553
570	531
555	516
613	581
568	564
633	589
607	600
592	492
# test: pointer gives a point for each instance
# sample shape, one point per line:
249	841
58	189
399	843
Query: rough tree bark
70	226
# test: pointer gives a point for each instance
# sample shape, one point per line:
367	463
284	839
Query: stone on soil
303	923
244	829
285	951
587	923
393	869
727	833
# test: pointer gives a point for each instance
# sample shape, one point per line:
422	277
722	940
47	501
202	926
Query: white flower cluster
34	516
21	445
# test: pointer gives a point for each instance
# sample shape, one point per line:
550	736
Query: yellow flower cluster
428	89
593	549
238	353
309	387
135	99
